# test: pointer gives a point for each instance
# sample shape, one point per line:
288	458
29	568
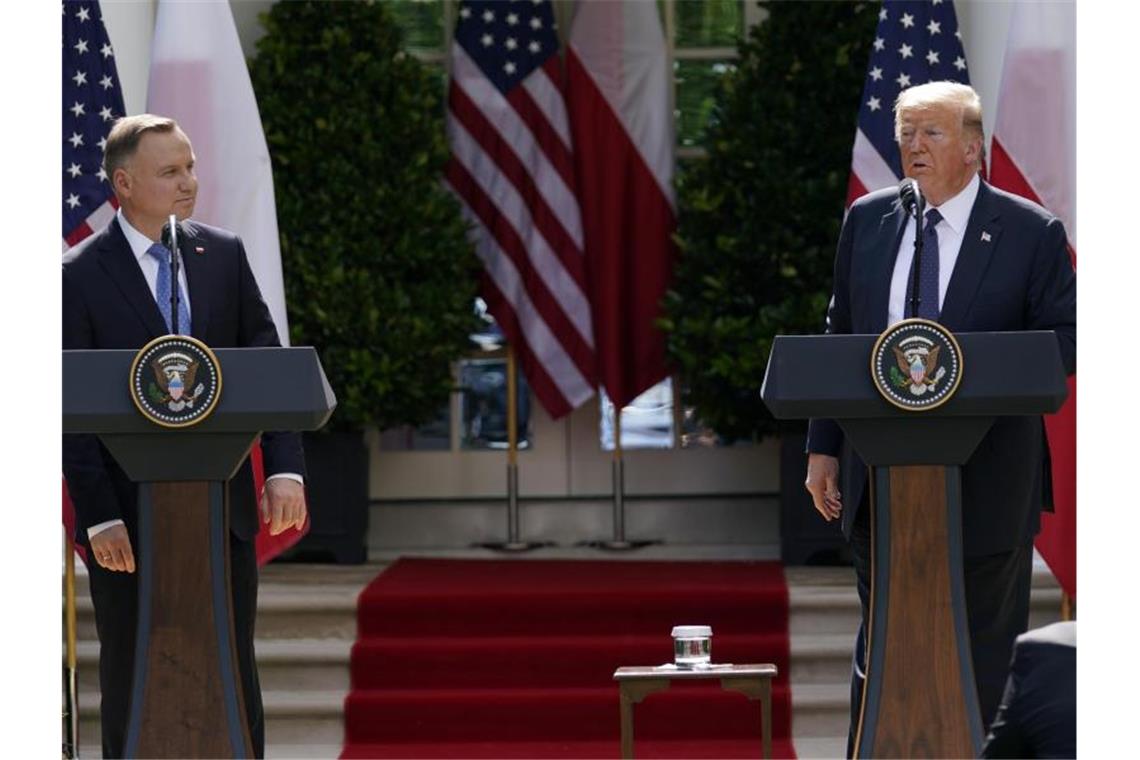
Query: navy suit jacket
107	304
1038	713
1013	273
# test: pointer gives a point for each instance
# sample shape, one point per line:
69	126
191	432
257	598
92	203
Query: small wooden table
753	681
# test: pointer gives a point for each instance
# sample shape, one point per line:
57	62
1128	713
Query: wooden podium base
186	699
919	698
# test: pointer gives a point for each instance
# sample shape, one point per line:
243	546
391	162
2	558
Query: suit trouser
997	610
115	597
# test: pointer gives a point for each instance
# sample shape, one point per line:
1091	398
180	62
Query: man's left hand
283	505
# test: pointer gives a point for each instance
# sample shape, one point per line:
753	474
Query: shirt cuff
289	475
94	529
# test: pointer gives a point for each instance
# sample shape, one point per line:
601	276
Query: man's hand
823	485
112	549
283	505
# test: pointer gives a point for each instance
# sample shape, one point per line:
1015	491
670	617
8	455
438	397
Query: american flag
915	43
512	169
92	100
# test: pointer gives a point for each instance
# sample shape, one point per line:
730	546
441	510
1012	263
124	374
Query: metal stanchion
619	542
71	685
513	543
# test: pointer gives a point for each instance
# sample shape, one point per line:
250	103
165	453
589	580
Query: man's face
936	152
158	180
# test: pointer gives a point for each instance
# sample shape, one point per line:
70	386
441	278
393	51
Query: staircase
307	624
824	616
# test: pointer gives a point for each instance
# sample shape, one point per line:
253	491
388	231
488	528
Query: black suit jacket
1038	713
1013	273
108	304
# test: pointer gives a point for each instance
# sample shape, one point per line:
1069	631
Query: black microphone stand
170	233
919	214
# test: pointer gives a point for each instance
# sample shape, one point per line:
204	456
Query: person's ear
973	150
121	182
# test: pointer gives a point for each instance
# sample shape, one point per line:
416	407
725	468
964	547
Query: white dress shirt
140	244
951	229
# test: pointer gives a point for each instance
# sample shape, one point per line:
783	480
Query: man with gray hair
992	262
111	286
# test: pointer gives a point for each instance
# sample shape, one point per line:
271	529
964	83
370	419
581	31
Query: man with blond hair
992	262
111	286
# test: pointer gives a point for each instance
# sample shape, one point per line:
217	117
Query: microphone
910	195
171	232
913	202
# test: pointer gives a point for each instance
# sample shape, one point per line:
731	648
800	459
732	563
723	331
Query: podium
186	698
919	698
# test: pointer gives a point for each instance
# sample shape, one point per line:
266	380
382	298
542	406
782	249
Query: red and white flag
512	170
198	77
1033	154
618	91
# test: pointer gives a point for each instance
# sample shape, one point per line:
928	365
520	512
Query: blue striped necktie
162	290
927	278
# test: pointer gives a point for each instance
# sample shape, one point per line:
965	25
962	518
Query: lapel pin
985	237
200	249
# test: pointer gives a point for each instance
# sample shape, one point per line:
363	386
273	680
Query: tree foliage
379	274
759	218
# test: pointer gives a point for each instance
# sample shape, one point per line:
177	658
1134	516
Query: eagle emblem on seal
173	377
917	367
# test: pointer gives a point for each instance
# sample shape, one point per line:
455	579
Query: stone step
325	612
293	721
822	658
282	665
820	711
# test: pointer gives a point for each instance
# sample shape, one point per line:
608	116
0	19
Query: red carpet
515	658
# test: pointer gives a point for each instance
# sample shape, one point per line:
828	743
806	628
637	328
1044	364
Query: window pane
708	23
421	20
696	89
483	405
647	423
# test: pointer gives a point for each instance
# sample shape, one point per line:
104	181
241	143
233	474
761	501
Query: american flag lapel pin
985	238
200	249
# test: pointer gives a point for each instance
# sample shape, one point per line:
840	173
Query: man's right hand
823	485
112	549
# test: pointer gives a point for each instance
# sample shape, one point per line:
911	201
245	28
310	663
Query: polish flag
1034	155
198	77
618	96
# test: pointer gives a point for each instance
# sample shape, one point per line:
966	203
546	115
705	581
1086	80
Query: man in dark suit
993	262
1038	714
110	283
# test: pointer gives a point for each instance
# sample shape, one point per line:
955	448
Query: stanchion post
514	542
619	541
71	708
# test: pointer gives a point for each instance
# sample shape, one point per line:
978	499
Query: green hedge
379	275
759	219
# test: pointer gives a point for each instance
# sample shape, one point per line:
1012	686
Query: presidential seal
176	381
916	364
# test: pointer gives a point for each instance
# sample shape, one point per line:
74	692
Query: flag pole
619	542
71	705
513	543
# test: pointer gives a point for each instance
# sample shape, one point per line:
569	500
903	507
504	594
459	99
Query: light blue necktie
162	290
928	277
